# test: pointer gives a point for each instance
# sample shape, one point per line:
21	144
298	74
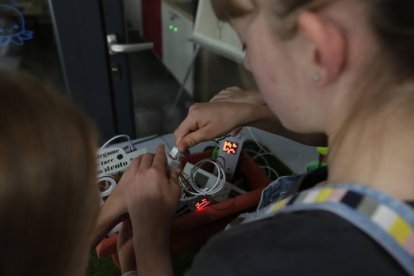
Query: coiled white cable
269	170
107	143
196	189
107	189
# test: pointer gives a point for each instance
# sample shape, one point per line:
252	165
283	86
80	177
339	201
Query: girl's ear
329	45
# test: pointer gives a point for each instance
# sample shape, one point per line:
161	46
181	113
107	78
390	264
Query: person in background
48	194
344	68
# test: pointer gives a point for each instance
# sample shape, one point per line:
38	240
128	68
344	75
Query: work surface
293	154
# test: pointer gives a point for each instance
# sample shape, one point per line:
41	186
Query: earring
316	77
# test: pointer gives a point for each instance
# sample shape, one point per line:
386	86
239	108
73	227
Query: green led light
175	29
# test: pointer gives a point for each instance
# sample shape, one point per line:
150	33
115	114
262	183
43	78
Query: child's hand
150	192
237	95
206	121
151	196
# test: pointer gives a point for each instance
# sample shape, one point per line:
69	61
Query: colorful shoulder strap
387	220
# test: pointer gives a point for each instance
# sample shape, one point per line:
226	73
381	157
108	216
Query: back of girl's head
392	22
48	200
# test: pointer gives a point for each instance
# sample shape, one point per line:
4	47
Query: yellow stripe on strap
400	230
323	195
278	205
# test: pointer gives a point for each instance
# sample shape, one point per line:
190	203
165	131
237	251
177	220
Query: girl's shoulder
313	241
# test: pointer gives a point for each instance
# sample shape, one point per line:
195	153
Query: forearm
152	253
109	216
151	244
260	116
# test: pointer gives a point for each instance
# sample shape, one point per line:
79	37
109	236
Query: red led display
230	147
202	203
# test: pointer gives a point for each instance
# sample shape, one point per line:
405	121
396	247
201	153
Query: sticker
114	160
12	26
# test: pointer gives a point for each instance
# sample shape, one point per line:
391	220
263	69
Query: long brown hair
48	196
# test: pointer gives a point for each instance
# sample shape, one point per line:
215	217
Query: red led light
202	203
230	147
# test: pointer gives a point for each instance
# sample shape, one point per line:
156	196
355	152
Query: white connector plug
174	158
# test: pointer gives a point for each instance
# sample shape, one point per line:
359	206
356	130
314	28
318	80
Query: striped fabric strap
387	220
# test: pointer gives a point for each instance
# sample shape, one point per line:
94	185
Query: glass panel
160	98
27	42
160	102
